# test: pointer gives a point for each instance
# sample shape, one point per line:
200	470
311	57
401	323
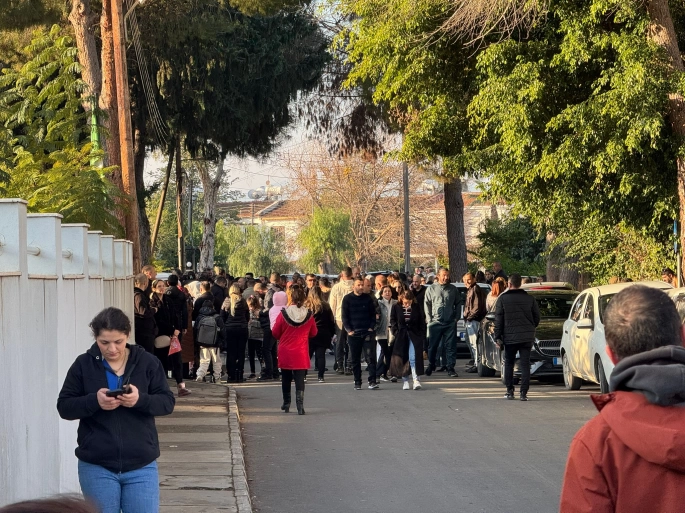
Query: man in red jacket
631	457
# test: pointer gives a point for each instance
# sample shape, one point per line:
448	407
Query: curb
242	491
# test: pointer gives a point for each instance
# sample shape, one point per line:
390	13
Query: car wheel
603	383
570	381
483	370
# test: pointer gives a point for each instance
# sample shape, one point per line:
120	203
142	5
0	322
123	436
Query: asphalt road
455	445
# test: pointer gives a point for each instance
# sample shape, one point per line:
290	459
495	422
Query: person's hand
371	329
184	331
176	333
350	333
129	400
107	403
499	343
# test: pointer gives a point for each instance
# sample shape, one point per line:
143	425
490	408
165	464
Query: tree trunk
83	20
210	189
143	221
179	205
662	32
108	99
456	238
160	208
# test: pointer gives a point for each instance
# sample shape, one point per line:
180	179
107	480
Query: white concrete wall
54	278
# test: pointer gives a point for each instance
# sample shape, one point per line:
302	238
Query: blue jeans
442	333
136	491
412	361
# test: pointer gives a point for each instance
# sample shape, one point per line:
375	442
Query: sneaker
441	369
182	392
429	370
472	369
384	378
357	386
417	384
471	362
200	379
452	373
339	371
264	378
373	386
217	380
348	372
394	379
251	376
321	380
406	386
524	397
509	396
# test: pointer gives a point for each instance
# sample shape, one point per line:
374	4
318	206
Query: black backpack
207	331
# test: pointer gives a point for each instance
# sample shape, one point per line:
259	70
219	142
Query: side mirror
490	317
585	324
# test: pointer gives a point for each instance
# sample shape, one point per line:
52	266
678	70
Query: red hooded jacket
293	328
631	457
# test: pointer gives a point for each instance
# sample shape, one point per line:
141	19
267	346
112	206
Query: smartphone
117	392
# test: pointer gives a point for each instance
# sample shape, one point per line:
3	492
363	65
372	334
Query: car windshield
555	306
603	303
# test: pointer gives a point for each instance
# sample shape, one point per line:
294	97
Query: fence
54	278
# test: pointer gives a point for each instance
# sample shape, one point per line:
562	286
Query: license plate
557	361
462	335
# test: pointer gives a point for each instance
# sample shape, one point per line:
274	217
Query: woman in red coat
293	328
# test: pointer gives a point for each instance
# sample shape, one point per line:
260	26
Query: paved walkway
201	467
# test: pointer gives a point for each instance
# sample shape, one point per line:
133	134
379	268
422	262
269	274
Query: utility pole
125	131
407	241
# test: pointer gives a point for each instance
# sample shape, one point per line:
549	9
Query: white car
583	347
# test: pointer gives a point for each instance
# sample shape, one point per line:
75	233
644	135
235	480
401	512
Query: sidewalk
201	466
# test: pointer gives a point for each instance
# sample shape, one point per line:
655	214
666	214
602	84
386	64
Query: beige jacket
338	292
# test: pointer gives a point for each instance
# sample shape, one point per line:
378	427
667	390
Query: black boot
286	402
299	400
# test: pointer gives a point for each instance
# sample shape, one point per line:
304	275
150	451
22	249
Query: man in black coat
145	326
205	288
359	322
516	317
178	302
219	292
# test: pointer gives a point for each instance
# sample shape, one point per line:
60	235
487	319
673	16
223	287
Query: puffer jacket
241	318
516	317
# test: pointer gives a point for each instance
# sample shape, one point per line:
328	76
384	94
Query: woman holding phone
115	390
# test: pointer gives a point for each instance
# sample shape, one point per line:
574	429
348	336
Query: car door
569	335
582	347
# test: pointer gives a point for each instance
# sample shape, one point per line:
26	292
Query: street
455	445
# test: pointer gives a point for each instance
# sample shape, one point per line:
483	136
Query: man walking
338	292
516	317
474	312
359	322
630	458
441	305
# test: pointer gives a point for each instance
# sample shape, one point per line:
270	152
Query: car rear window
555	306
603	303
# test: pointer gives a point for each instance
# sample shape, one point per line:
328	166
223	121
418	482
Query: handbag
162	341
174	346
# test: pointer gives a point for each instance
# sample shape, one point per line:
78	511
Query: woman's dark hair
325	282
480	277
65	504
387	287
110	319
406	294
296	295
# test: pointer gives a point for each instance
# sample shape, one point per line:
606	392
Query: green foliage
250	249
266	7
514	243
571	123
326	240
45	151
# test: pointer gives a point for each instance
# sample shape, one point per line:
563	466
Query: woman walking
293	328
236	317
386	305
408	325
116	390
255	335
166	329
325	326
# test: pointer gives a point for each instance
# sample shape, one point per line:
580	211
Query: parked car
548	285
554	306
583	346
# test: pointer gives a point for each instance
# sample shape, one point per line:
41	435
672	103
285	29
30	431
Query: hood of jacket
296	315
280	299
646	409
207	310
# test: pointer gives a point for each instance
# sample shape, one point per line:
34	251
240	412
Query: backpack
207	331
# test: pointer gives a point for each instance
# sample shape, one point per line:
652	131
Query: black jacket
325	326
219	294
164	317
123	439
206	311
143	316
178	302
198	304
240	320
358	313
516	317
407	332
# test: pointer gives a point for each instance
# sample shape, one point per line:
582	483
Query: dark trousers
524	363
269	355
341	348
287	378
172	363
320	360
236	340
446	334
254	348
359	344
386	353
